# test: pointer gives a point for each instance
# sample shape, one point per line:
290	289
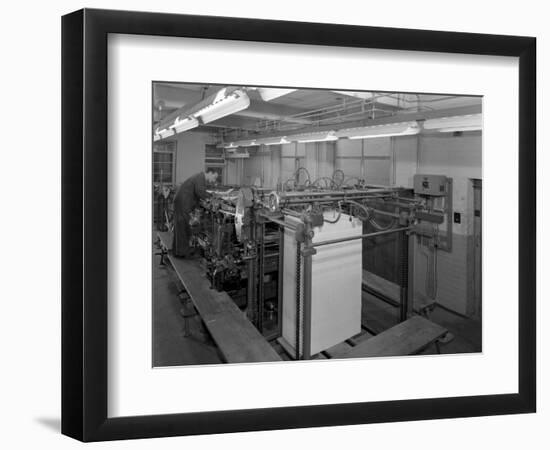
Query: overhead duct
269	94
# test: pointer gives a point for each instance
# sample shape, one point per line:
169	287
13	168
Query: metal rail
361	236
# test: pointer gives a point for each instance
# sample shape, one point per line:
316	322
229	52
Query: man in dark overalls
186	200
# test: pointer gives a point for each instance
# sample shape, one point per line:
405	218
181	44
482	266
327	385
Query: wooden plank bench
235	336
407	338
381	287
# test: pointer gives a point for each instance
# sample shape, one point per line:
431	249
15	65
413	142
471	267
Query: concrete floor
172	348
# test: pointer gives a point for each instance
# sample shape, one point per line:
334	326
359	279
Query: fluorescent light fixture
223	105
376	131
248	143
268	94
187	123
317	136
237	144
471	122
235	154
453	129
273	141
164	133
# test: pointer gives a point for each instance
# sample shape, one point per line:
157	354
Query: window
164	163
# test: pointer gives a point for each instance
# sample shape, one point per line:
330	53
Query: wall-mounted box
433	185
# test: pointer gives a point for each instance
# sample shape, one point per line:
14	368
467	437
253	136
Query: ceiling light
376	131
184	124
223	105
233	154
164	133
248	143
319	136
273	141
470	122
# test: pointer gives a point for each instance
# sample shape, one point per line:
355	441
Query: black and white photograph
292	223
250	225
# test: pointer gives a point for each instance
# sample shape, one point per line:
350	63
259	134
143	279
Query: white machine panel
336	284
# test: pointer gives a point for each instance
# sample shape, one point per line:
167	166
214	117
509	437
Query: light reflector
376	131
319	136
223	105
187	123
470	122
273	141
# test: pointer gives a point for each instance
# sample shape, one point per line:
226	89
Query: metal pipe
404	276
280	282
261	287
410	287
306	350
300	201
361	236
277	221
289	194
298	301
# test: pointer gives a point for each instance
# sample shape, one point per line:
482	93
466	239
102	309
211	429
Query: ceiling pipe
387	120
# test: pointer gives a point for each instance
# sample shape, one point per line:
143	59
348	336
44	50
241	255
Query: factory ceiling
272	111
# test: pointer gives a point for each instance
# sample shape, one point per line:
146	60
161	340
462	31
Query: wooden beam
406	338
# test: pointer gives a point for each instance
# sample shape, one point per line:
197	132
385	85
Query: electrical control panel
432	185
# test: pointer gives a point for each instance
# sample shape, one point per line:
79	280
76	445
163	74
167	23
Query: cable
360	206
337	218
327	180
380	227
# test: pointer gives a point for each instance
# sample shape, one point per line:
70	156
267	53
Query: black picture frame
84	224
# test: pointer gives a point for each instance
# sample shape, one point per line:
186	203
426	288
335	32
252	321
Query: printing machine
247	234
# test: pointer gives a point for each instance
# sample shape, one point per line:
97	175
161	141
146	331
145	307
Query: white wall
263	166
405	160
190	154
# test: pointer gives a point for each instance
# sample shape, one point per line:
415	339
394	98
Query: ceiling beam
235	122
273	111
402	117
